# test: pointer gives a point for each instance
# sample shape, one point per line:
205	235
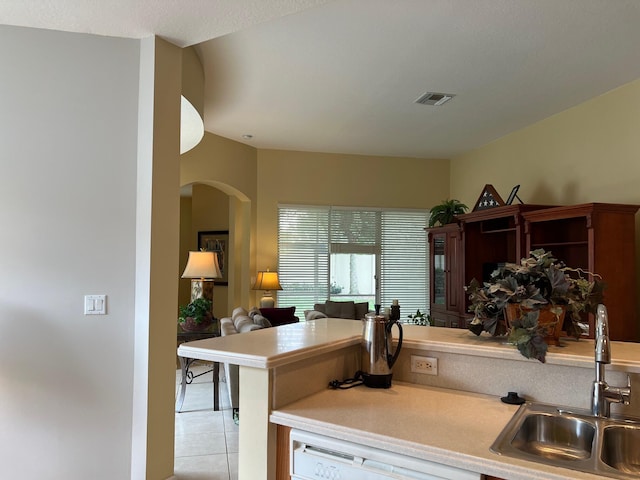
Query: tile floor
206	442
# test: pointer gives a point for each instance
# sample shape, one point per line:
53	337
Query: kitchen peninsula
451	418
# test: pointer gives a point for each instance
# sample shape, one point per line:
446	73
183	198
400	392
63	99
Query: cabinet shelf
548	245
497	230
595	237
599	238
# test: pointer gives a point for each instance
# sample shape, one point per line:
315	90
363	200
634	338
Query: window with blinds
338	253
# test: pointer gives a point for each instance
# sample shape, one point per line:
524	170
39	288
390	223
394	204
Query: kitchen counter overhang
273	347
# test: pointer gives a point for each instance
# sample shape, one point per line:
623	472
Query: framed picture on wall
217	241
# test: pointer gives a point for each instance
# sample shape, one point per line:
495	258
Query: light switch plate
95	304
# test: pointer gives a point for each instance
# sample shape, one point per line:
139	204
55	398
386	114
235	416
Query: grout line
225	409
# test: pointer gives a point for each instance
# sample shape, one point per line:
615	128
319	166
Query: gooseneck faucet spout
602	394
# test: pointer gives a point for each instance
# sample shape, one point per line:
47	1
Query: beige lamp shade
202	265
267	281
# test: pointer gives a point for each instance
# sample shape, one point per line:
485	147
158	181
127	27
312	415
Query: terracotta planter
190	325
551	322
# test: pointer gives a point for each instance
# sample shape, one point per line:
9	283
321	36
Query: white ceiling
342	75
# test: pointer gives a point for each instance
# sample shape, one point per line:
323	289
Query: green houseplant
538	282
195	316
419	318
444	212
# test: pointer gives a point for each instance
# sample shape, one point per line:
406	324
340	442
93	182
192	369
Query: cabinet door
452	273
438	269
446	286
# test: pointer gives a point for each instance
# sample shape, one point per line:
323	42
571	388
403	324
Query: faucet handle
603	349
625	393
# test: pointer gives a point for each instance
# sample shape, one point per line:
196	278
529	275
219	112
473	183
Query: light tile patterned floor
206	442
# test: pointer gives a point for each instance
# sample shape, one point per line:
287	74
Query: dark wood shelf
547	245
500	230
596	237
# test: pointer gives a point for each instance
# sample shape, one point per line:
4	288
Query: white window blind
303	255
307	235
404	260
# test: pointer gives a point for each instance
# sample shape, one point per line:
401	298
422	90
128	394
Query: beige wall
335	179
590	153
257	180
229	167
92	395
209	211
586	154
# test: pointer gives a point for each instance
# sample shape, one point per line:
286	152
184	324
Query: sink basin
621	448
555	437
547	434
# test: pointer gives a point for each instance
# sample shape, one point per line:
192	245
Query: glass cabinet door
439	269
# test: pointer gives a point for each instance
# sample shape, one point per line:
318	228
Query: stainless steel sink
555	437
621	448
572	439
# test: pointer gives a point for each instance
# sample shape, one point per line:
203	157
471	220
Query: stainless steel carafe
376	345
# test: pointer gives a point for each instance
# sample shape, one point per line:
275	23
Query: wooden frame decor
513	195
489	198
217	241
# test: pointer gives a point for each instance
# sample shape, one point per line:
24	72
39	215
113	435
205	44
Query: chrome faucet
603	395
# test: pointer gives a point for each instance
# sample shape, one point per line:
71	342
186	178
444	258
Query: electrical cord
348	383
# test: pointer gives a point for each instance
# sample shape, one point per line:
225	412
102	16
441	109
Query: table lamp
267	281
202	267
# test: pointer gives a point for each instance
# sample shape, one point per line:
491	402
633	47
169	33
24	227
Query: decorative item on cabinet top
489	198
538	282
445	212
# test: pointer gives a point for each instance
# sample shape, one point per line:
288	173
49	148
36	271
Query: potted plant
539	284
195	316
419	318
445	212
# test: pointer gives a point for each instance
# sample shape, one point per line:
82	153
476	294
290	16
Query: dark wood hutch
596	237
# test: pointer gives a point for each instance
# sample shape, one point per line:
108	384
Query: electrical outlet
426	365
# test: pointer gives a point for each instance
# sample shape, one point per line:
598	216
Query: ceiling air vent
433	98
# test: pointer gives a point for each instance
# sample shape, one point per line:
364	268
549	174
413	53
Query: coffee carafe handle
391	359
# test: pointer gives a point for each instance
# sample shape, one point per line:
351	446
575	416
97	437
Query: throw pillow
361	310
313	315
242	322
319	307
279	316
238	311
340	309
262	321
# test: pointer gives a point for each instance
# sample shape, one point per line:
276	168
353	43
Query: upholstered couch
348	309
242	321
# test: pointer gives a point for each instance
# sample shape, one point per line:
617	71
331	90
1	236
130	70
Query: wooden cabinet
444	271
598	238
283	452
491	237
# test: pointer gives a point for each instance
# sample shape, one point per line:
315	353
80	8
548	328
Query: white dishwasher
315	457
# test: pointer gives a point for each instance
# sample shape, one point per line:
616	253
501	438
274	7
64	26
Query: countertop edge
456	341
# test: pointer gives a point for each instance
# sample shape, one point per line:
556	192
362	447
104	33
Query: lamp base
267	301
202	288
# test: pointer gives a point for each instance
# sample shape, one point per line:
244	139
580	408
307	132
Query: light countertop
272	347
444	426
447	426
